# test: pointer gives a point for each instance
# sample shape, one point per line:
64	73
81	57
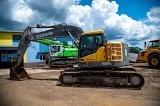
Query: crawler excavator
61	54
99	61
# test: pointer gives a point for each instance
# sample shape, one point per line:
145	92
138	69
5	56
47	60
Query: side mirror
145	44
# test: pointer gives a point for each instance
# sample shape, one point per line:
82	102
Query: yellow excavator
151	54
99	61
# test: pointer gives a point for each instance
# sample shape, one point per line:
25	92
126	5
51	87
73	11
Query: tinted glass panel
99	40
87	41
154	44
55	49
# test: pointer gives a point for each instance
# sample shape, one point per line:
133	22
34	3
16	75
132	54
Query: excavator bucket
19	74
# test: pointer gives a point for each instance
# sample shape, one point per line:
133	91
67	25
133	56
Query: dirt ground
43	90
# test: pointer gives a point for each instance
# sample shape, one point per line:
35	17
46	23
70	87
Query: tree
133	50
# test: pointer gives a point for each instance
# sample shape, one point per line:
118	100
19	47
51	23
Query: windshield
99	40
153	44
87	41
55	49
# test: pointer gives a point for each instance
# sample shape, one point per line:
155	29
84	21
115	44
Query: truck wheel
154	61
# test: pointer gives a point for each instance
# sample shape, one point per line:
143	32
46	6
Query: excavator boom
17	72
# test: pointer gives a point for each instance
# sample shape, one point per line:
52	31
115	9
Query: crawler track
118	77
64	62
61	66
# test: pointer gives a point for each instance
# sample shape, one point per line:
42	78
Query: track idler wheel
19	74
136	81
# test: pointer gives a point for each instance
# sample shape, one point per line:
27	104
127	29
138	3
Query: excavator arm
17	72
49	42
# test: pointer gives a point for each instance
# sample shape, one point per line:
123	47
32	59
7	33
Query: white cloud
20	11
80	16
154	15
93	17
102	14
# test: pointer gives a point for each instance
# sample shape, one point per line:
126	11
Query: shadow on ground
138	66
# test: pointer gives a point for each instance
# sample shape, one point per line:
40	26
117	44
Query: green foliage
133	50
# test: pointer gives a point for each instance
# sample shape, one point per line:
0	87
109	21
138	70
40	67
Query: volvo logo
44	34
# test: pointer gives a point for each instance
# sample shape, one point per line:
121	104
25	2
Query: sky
129	21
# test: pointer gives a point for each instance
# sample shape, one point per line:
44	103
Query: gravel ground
43	90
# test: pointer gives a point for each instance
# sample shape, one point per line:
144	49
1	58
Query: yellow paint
114	51
93	32
144	54
25	58
101	54
154	61
88	58
98	56
6	38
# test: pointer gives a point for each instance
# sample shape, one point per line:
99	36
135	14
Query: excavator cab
89	44
154	44
95	51
55	49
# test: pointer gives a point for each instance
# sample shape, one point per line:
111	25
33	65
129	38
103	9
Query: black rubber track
101	74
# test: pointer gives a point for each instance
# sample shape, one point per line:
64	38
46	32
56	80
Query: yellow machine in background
151	54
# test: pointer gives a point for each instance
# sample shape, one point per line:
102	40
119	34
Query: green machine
60	53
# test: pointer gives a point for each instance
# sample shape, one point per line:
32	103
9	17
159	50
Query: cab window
154	44
87	41
99	39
